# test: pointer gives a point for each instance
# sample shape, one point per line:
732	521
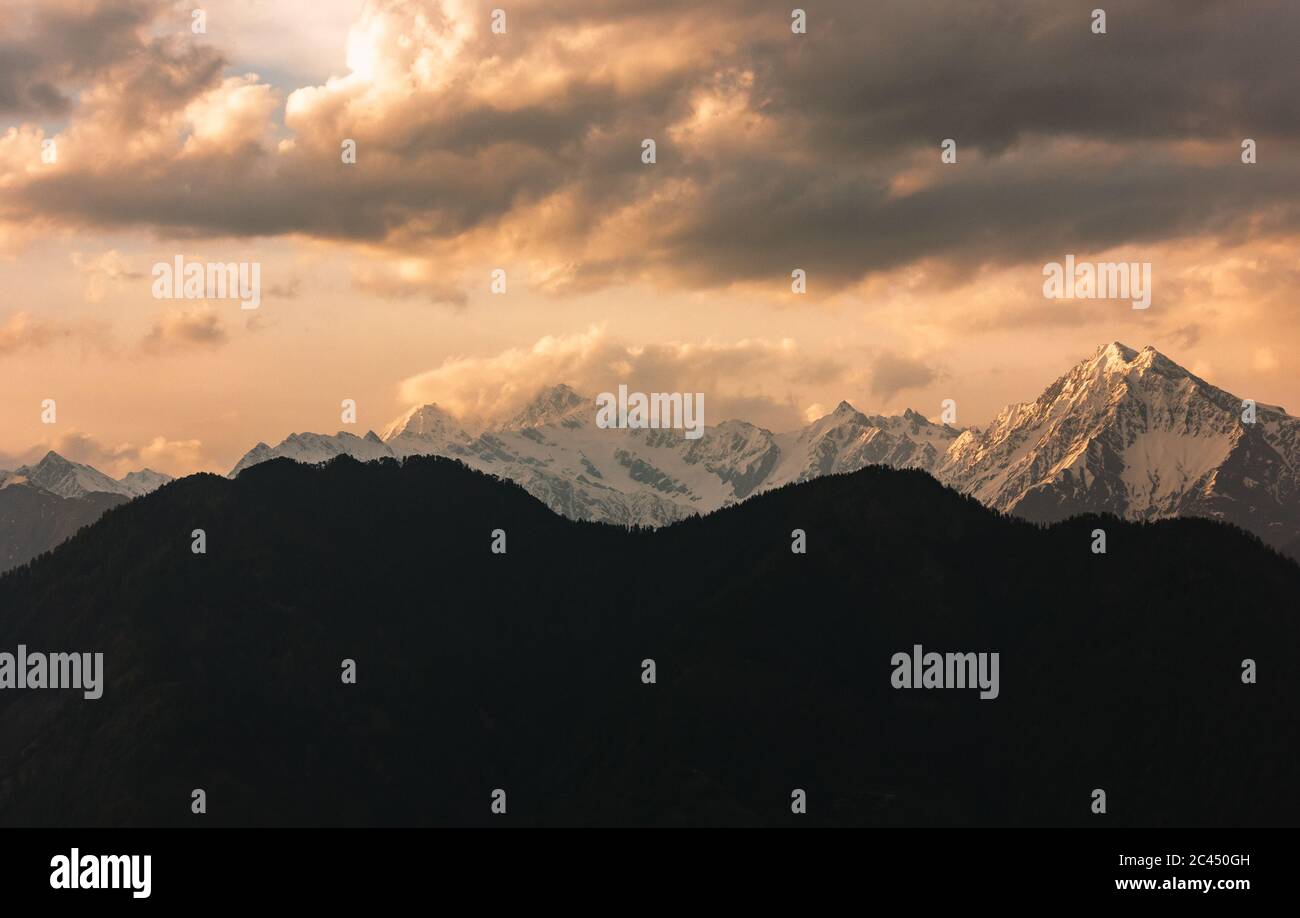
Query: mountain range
526	669
42	505
1125	432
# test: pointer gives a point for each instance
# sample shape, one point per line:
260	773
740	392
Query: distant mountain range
42	505
64	478
1125	432
633	477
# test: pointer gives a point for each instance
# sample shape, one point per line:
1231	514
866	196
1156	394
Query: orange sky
523	152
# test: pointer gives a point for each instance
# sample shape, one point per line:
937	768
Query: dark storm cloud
839	225
50	50
1067	140
990	73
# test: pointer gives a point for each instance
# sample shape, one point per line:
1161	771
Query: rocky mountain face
1133	433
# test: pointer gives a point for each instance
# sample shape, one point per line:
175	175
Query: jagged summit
423	421
66	478
61	476
1118	350
1119	357
558	404
1135	434
313	447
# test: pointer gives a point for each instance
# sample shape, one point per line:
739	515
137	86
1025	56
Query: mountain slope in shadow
32	520
523	671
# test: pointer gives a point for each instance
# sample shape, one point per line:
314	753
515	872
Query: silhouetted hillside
32	520
523	671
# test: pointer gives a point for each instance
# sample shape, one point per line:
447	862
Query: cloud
23	331
173	457
116	71
81	447
892	373
1186	336
50	47
286	291
479	389
180	329
102	270
1266	360
774	150
408	278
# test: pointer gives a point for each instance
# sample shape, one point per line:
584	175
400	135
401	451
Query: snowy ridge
555	405
1126	432
66	478
553	448
312	448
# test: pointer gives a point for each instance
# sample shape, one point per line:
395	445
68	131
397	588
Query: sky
520	150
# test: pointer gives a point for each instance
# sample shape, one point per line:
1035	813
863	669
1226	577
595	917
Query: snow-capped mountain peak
67	478
313	447
143	481
421	421
1133	433
554	405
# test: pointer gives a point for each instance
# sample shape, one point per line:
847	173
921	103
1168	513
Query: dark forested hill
523	671
33	519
